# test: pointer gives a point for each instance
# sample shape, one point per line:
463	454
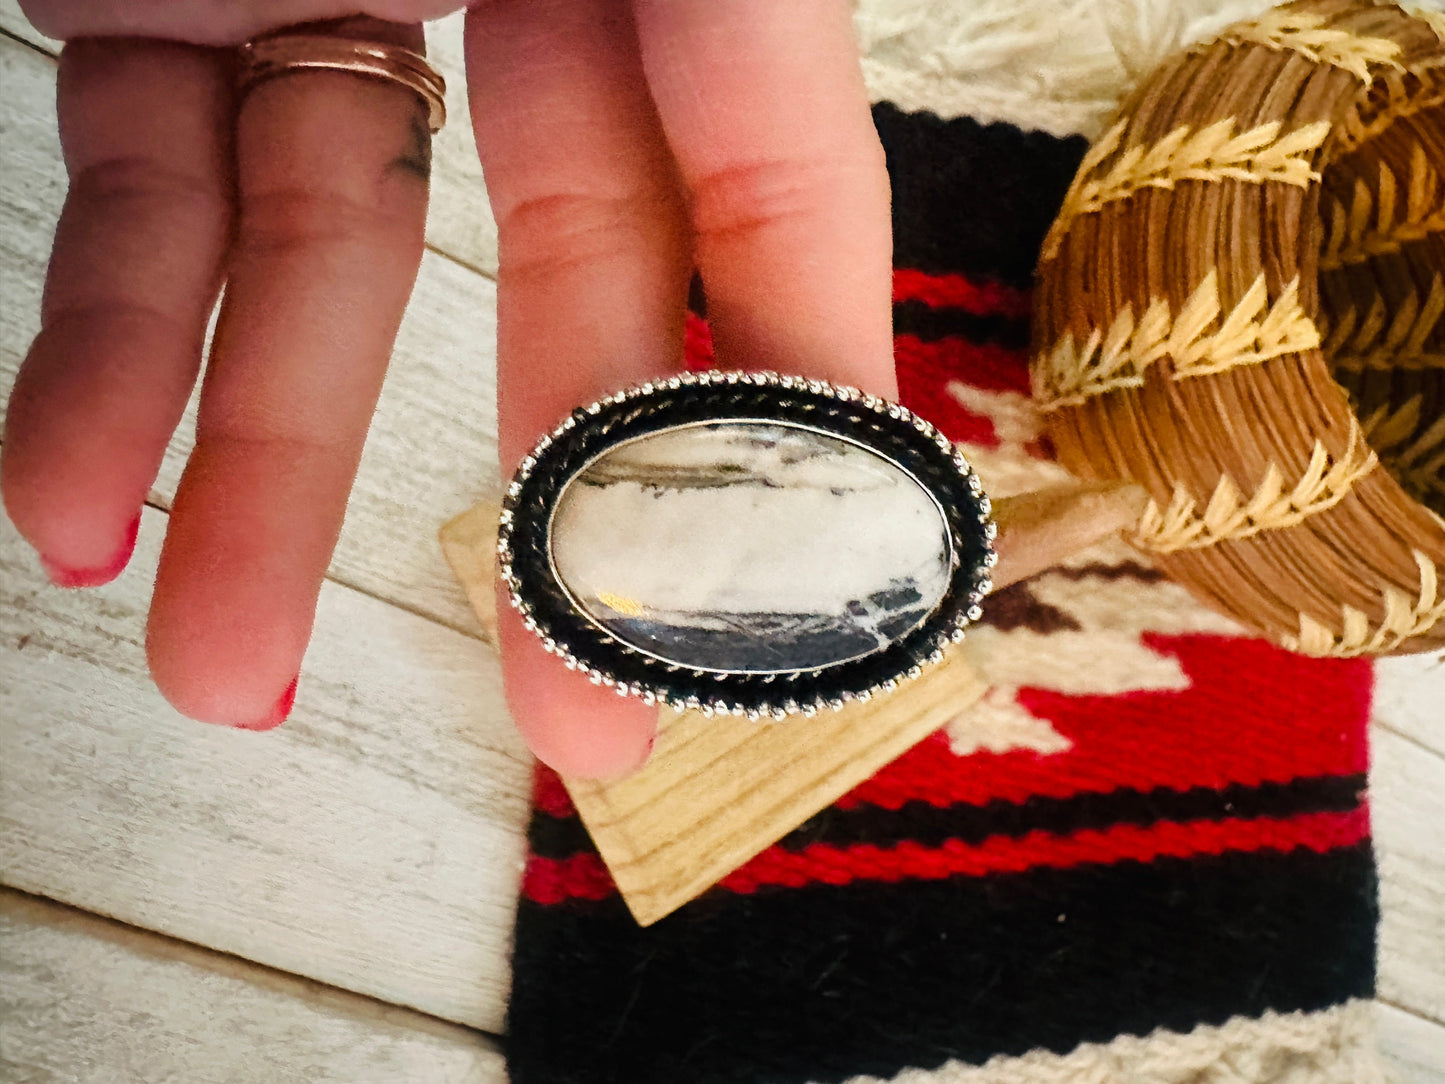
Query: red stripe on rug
549	794
580	876
927	396
1253	713
583	876
960	292
697	348
826	864
984	365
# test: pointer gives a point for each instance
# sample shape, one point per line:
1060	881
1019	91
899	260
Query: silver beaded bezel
546	607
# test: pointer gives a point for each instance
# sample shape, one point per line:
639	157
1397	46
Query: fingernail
280	712
64	576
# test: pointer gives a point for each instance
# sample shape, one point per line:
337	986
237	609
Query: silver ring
746	543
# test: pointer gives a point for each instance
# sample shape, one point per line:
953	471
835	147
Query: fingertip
62	574
219	657
81	522
581	730
85	434
597	758
280	711
80	542
237	586
207	689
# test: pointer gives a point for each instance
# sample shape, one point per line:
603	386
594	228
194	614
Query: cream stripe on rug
1333	1046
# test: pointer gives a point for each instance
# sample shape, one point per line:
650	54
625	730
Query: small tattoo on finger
416	157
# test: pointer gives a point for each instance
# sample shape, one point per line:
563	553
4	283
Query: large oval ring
746	543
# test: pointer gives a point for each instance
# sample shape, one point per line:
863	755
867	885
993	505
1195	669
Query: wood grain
1410	698
1041	529
88	1001
374	842
32	189
469	544
460	223
717	791
1413	1047
1407	800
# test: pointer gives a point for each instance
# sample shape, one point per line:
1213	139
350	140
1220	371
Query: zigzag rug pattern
1145	856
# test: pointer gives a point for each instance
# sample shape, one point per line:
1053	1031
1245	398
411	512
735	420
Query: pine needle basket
1240	307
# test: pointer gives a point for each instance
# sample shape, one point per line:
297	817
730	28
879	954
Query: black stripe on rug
919	822
930	324
822	983
972	198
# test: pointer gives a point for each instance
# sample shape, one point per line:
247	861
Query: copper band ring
272	57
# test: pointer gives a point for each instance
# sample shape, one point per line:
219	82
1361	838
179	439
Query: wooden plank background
299	886
85	999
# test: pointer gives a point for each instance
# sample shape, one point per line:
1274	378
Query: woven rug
1143	857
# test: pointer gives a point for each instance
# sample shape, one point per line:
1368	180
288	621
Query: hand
624	146
308	200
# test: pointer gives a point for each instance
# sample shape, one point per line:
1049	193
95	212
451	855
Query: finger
332	205
592	285
592	244
212	22
135	269
765	110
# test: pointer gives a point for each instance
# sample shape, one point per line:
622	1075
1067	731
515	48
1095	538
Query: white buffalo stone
750	546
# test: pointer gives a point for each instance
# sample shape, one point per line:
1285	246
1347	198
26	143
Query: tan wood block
717	791
469	543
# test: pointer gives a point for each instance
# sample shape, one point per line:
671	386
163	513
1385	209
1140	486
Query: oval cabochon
750	546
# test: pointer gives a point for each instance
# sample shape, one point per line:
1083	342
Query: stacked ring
267	58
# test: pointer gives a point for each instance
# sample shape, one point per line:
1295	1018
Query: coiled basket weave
1240	307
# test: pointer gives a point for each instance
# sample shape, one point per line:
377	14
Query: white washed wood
1410	698
1407	798
89	1001
432	448
1413	1048
460	221
32	187
373	843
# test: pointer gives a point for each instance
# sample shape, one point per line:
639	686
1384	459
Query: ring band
272	57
